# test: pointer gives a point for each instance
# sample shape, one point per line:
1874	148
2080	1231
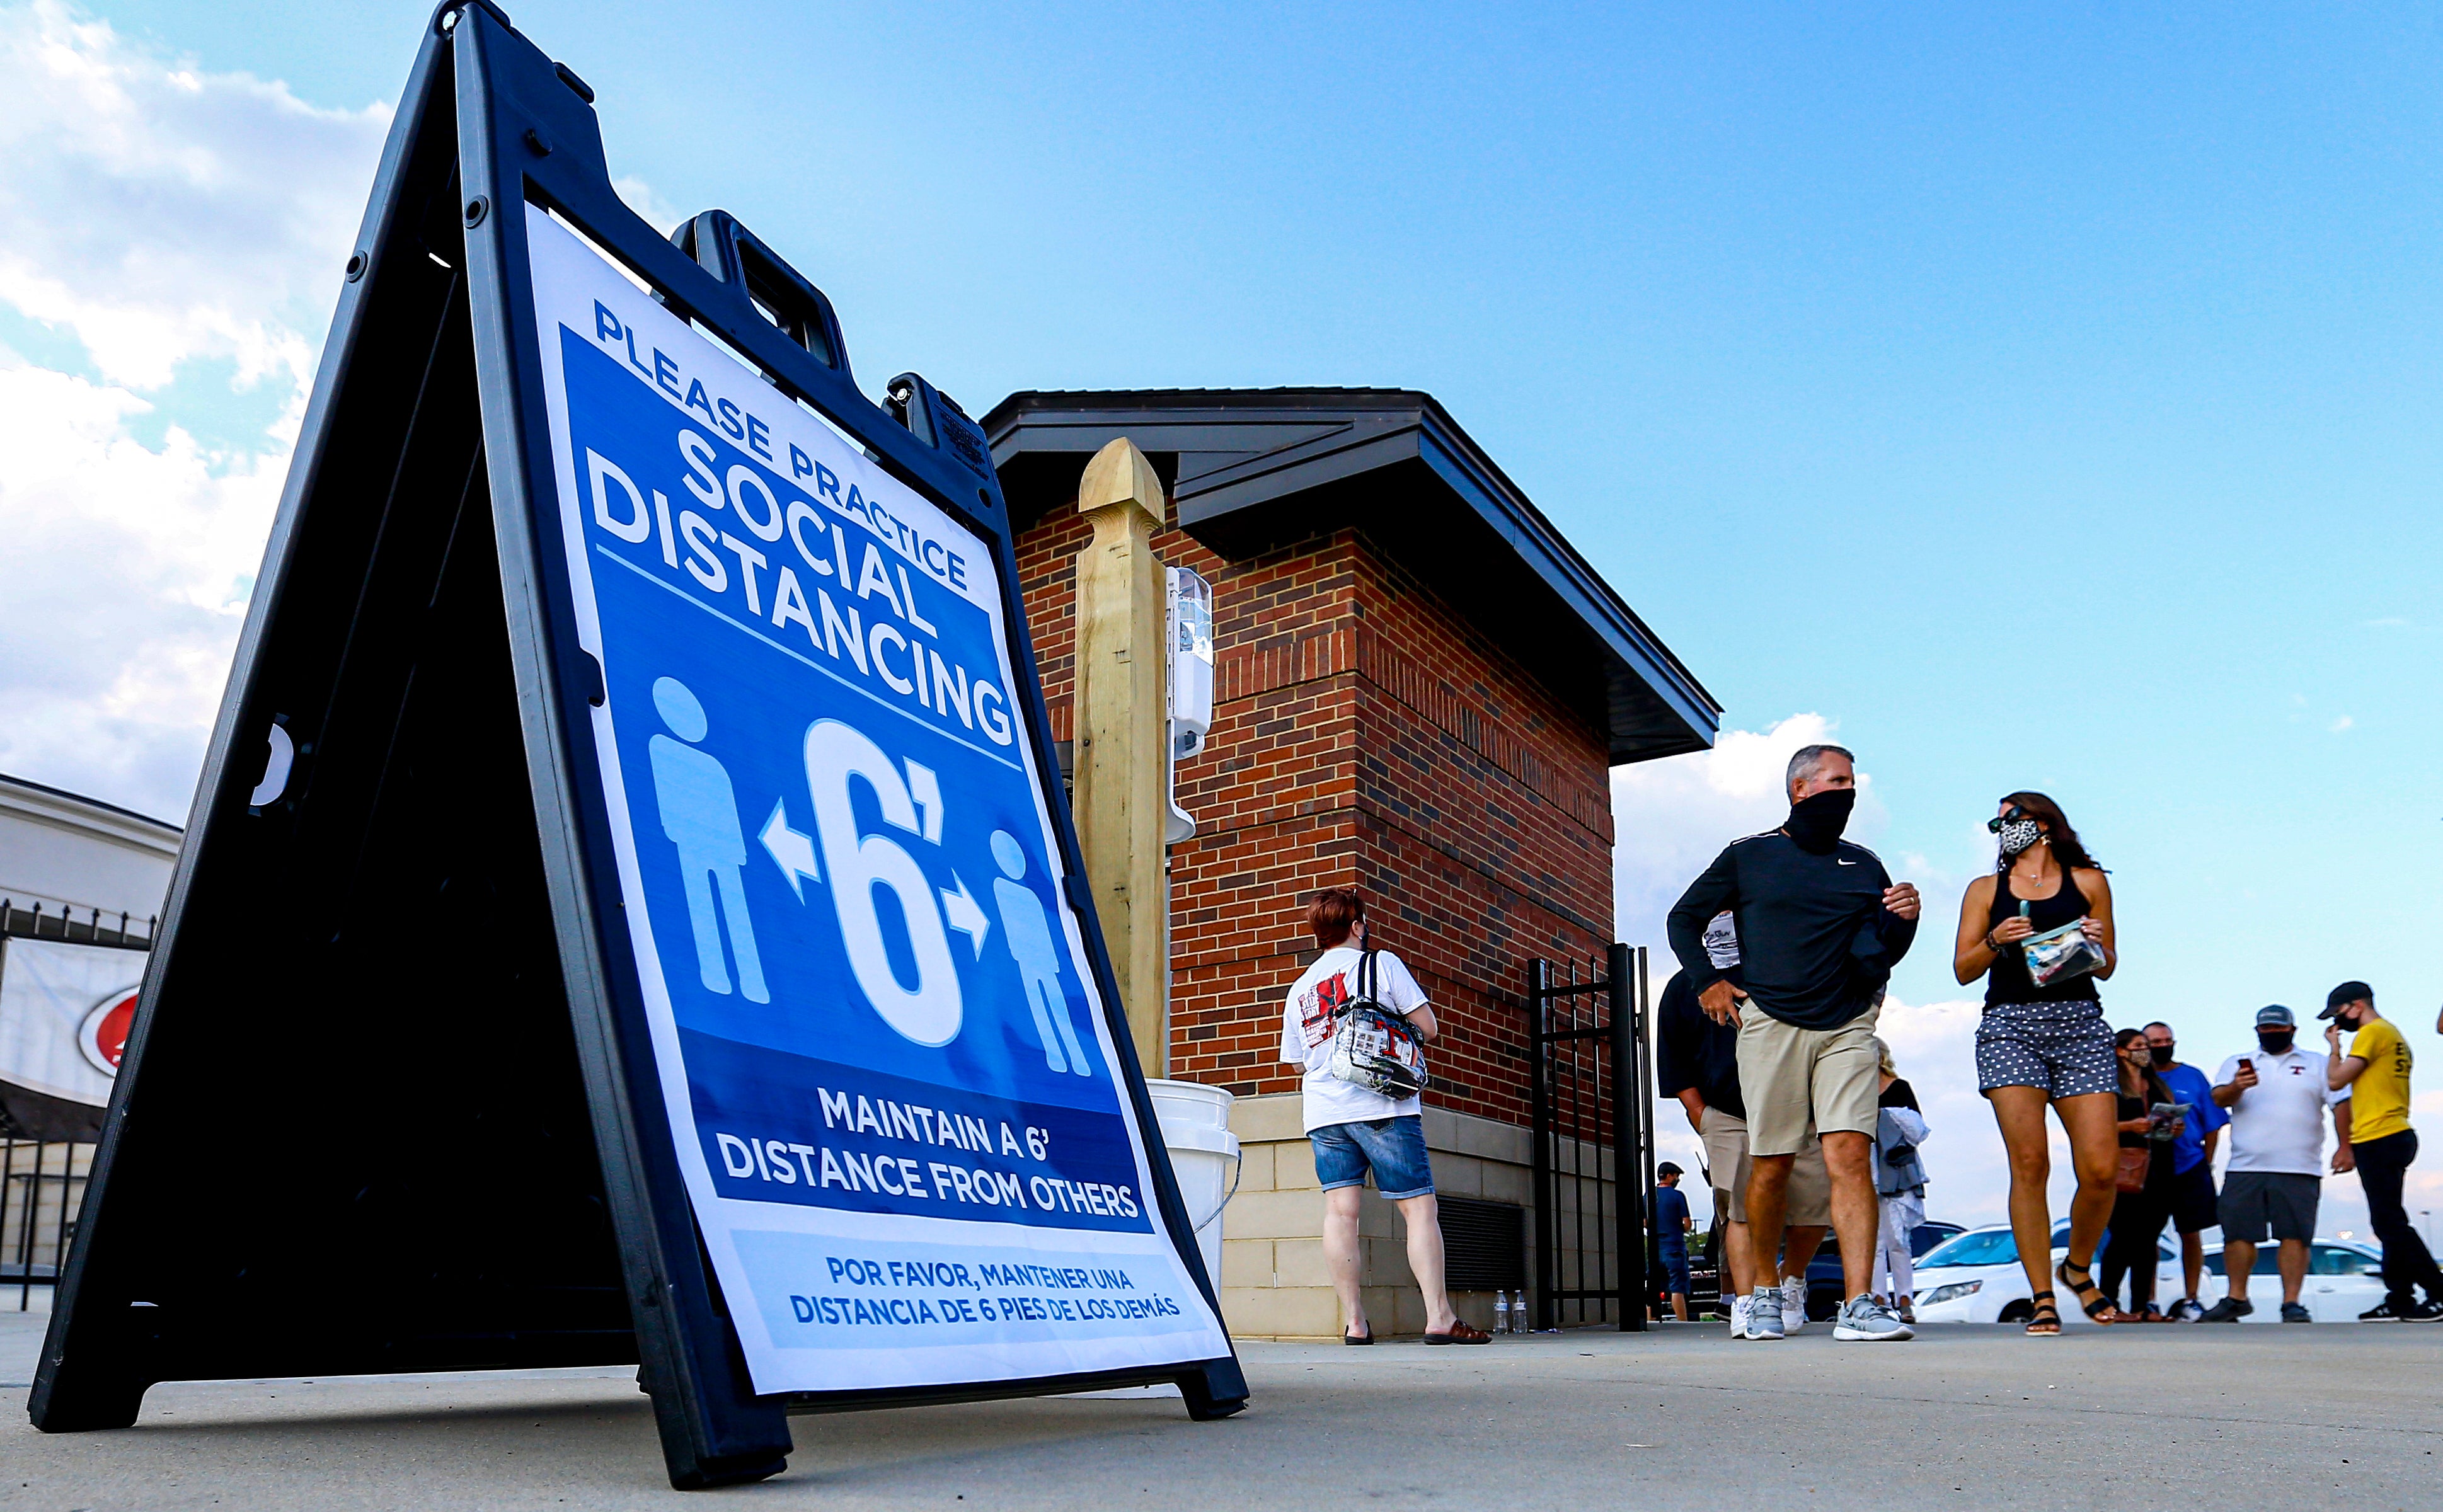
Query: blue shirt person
2201	1124
700	816
1671	1226
2193	1209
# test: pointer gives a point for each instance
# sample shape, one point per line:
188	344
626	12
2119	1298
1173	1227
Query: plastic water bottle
1501	1312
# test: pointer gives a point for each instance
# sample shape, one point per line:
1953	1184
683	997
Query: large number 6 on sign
929	1013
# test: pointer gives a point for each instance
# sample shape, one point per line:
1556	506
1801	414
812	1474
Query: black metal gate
1593	1090
42	1187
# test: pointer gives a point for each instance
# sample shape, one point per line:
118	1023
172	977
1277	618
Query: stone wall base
1273	1284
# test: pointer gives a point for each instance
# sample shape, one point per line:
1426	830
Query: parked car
1704	1276
2345	1279
1824	1281
1976	1278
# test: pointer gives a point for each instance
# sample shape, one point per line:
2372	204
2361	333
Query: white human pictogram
1027	931
700	816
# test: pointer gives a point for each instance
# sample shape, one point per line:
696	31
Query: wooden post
1123	734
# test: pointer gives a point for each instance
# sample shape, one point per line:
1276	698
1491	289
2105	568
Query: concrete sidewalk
1967	1415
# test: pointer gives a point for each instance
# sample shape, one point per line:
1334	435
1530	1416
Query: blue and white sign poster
882	1051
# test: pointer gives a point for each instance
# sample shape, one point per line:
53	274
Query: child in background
1899	1186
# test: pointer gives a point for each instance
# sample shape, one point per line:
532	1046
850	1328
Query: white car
2345	1279
1976	1278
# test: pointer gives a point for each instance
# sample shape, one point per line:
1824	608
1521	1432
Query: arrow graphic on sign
965	914
792	851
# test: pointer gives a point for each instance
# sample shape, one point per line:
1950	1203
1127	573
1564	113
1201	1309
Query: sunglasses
2013	815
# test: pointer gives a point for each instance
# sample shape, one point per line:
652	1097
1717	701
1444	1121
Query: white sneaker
1739	1318
1764	1314
1863	1319
1794	1305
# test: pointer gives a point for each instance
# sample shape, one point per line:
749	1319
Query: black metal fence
1593	1139
38	919
42	1188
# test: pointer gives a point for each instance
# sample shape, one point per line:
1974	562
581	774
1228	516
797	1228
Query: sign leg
79	1401
1217	1388
716	1437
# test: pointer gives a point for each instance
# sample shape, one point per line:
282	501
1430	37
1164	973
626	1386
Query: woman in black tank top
2048	1044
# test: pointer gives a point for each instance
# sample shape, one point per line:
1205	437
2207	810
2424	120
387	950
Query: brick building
1420	692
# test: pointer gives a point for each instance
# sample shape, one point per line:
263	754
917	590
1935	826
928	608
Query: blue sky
2037	396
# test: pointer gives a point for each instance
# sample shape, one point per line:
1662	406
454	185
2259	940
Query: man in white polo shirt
2277	1097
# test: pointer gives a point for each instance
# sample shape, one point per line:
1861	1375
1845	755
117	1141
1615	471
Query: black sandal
2091	1300
2044	1318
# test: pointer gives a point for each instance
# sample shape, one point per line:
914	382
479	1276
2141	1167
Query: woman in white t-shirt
1356	1129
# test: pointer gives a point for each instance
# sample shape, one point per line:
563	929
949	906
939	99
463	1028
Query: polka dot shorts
2065	1048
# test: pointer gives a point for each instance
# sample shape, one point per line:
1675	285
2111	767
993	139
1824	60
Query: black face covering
2275	1042
2162	1054
1816	822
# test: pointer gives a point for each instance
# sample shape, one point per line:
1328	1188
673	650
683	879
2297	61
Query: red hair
1333	914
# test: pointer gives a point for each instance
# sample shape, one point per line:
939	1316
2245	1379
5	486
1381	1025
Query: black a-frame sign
630	913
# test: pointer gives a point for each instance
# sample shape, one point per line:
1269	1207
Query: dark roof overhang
1253	470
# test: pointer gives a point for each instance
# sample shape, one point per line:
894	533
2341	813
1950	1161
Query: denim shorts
1675	1272
1394	1148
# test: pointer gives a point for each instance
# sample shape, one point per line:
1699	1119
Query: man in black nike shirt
1820	925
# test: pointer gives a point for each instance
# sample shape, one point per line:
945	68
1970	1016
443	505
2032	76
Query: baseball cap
2347	993
2273	1015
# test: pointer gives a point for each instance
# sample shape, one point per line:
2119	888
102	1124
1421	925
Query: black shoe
2228	1310
2294	1312
2185	1310
2428	1311
2383	1312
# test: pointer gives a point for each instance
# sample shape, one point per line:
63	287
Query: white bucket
1204	1155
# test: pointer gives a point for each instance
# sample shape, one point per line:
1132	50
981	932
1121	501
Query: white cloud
2340	724
161	214
158	216
126	581
1671	818
173	250
640	197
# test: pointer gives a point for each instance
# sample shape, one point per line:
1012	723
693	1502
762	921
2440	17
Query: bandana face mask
2018	835
1816	822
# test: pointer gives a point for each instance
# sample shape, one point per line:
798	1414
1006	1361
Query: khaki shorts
1726	1158
1802	1081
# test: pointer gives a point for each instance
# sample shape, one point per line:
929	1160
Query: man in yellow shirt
2376	1071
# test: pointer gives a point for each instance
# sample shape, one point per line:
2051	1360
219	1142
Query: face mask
2275	1042
2018	835
2162	1054
1816	822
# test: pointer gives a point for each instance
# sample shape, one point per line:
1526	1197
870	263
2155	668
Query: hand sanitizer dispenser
1190	604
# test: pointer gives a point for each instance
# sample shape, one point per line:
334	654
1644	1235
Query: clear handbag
2058	955
1371	1045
